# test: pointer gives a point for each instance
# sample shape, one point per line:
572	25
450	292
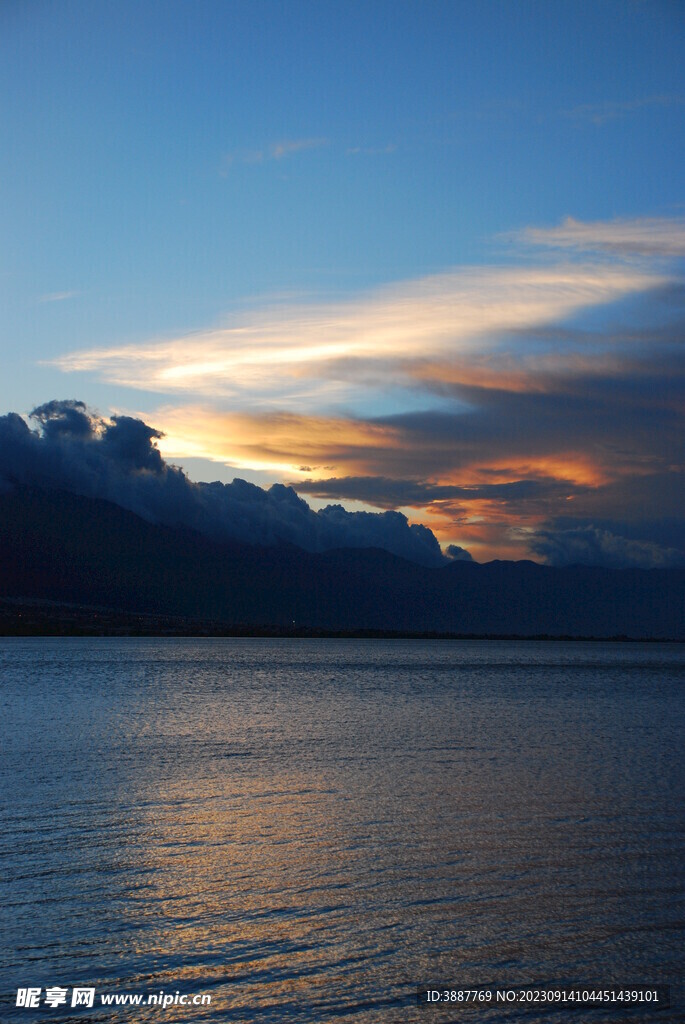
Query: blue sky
253	223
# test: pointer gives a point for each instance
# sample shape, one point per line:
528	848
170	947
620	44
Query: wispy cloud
371	150
613	110
586	428
490	474
326	351
274	151
507	421
289	146
57	296
287	443
642	236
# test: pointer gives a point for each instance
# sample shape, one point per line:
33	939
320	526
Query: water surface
307	829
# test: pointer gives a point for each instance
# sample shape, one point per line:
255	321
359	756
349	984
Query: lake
306	830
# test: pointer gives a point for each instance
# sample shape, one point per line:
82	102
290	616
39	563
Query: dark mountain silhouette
59	547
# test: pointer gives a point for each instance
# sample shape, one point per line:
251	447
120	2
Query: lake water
308	829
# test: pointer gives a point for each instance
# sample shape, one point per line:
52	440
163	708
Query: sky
425	257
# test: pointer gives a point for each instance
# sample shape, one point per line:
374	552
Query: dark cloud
388	492
664	532
458	554
584	464
116	460
640	499
128	441
593	545
67	418
641	410
602	432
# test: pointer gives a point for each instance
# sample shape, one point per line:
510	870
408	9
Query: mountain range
61	548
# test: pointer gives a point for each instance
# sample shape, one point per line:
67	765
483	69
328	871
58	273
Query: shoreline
21	617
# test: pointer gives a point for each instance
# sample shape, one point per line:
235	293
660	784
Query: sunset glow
454	291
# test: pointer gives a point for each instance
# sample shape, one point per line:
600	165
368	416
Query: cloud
458	554
612	110
391	493
324	352
117	460
584	428
641	236
289	146
285	443
483	397
591	545
57	296
274	151
500	459
491	476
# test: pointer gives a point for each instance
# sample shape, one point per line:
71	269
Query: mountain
60	547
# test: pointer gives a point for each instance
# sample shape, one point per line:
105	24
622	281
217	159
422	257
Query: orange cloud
305	446
512	371
576	467
492	505
522	416
323	353
282	442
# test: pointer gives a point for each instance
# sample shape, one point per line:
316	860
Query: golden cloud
322	353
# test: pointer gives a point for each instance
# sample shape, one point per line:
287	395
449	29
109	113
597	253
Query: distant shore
32	618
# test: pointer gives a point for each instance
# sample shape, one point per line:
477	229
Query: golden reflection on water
318	837
251	884
280	885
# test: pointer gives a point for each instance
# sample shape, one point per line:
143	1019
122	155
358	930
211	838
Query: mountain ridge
61	547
